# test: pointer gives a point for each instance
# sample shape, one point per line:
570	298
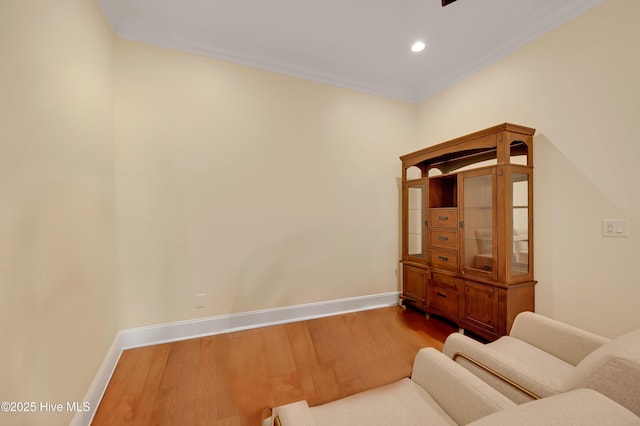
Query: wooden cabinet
414	285
481	310
467	225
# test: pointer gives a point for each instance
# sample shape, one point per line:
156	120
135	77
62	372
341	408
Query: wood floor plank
144	407
250	385
184	410
207	407
233	379
305	360
127	382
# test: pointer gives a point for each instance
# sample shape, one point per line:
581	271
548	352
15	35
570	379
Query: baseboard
163	333
99	385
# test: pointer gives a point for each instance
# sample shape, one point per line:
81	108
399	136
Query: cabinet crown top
499	141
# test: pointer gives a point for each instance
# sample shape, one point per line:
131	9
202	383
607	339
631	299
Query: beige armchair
543	357
441	392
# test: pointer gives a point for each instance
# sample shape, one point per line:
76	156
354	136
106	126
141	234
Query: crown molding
522	33
540	24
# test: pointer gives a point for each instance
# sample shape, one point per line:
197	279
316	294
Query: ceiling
359	44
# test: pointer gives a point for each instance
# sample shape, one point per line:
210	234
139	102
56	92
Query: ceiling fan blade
446	2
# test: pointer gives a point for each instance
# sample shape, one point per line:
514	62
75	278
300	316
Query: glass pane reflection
478	223
520	220
414	223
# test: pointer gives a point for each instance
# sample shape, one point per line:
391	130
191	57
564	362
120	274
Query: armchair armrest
566	342
577	407
449	383
296	413
493	366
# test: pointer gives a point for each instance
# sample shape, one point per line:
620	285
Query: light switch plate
618	228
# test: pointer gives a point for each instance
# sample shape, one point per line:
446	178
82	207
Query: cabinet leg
461	330
401	306
427	316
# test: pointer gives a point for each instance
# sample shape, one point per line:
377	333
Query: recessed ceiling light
418	46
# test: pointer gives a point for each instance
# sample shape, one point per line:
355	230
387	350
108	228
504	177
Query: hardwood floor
233	379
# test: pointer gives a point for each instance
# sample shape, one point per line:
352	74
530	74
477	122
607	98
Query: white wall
257	189
57	222
579	87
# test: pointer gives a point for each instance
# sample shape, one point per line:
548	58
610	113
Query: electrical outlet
201	300
615	228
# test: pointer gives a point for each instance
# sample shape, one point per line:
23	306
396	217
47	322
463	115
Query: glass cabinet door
414	229
520	222
478	227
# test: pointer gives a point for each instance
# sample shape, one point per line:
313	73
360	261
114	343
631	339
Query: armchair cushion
527	365
401	403
550	373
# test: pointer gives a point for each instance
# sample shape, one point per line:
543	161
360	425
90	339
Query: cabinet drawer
443	218
444	259
443	238
443	299
445	280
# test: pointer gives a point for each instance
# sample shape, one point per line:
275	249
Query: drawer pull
443	238
441	294
443	258
443	217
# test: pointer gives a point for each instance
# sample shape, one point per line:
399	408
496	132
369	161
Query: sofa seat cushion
400	403
547	374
